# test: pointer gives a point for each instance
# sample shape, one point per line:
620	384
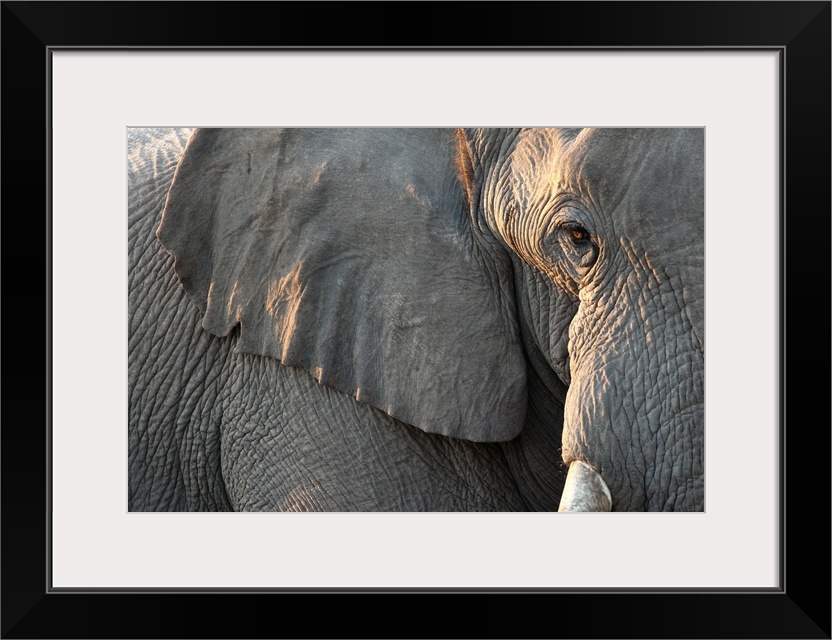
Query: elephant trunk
585	490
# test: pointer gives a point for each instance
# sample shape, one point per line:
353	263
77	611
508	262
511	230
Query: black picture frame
799	608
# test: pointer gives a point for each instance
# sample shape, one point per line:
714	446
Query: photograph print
416	320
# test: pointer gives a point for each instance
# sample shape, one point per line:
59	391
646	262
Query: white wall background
97	95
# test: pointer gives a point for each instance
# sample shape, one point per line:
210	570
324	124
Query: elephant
416	319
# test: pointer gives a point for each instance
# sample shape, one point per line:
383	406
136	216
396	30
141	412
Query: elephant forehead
641	166
645	180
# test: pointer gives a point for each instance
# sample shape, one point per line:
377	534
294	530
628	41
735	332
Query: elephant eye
578	234
569	249
577	246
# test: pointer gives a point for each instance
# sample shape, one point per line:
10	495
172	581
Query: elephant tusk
584	490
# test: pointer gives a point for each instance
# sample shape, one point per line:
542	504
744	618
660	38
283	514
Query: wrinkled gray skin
415	320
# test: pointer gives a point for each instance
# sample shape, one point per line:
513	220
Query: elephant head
424	271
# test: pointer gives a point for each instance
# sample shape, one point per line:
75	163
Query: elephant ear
350	253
